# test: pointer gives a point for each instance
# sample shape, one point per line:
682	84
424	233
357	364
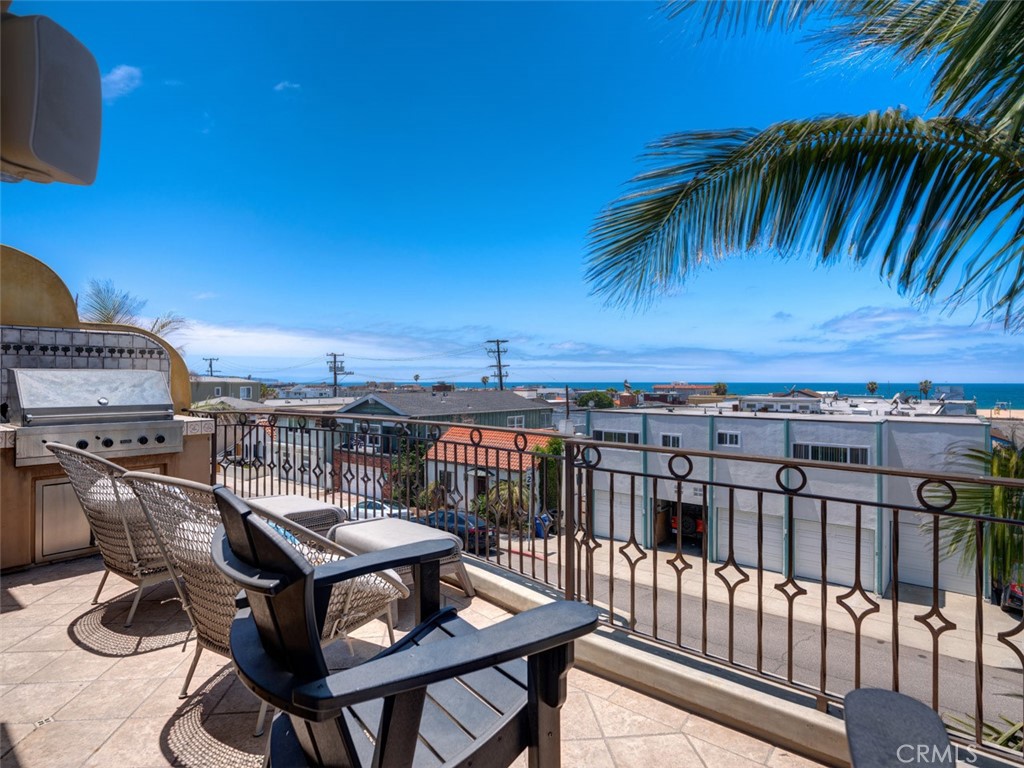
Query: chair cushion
373	535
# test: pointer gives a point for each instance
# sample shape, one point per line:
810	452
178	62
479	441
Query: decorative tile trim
6	437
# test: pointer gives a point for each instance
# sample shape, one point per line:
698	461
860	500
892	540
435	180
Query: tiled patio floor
78	689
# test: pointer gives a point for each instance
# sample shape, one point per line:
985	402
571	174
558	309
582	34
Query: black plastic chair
886	728
445	694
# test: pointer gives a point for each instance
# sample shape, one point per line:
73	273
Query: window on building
617	437
731	439
837	454
447	479
245	393
216	391
517	422
545	419
671	441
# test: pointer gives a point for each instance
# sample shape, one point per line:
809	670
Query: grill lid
48	396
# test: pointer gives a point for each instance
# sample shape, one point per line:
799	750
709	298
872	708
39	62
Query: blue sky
400	182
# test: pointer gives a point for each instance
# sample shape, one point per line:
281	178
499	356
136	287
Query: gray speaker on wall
50	103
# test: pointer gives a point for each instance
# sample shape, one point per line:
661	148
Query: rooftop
427	404
79	689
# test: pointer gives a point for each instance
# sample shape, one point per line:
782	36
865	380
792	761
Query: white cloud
286	85
205	295
120	81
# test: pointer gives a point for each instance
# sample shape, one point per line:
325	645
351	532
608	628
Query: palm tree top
935	205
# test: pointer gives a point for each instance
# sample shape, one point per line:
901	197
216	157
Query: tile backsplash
24	347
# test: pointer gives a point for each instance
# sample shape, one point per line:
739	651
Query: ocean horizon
985	394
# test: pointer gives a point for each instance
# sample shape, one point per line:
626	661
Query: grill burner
111	413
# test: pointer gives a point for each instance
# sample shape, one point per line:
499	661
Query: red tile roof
496	450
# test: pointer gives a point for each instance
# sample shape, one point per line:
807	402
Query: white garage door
840	542
745	539
606	509
916	553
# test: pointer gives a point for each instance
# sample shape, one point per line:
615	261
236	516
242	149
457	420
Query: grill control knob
160	438
143	440
107	442
82	445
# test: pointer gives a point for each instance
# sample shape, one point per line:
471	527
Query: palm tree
720	388
1003	544
872	387
485	380
929	198
925	387
103	303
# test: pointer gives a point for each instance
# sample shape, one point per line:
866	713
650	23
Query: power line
499	370
211	361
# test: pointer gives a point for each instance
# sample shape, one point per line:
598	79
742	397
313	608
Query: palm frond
901	30
732	16
103	303
921	196
982	74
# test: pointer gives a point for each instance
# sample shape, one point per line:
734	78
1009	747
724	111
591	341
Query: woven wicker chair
186	516
122	533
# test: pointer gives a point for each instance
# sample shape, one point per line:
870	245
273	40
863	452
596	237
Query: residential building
859	436
209	387
677	393
469	461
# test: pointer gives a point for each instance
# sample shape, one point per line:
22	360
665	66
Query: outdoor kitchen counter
21	487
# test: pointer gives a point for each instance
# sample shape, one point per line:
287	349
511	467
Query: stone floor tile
162	701
619	721
148	666
591	753
63	744
12	733
781	758
72	665
38	614
672	749
237	698
50	638
715	756
73	593
135	743
673	717
28	594
593	684
726	738
219	740
31	702
107	699
578	718
12	634
16	667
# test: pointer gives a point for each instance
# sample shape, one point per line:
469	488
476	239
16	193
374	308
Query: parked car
474	531
370	508
1012	597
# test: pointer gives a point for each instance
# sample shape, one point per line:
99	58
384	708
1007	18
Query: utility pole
337	367
211	361
499	370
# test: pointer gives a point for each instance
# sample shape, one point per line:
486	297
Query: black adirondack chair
445	694
888	728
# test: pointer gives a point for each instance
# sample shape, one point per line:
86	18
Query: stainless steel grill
110	413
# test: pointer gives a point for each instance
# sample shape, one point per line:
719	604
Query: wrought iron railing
721	555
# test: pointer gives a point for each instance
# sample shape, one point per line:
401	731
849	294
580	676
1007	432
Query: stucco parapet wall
194	425
777	715
6	436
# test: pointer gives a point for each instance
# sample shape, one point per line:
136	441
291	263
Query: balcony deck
78	689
